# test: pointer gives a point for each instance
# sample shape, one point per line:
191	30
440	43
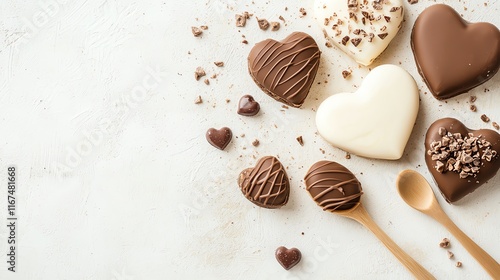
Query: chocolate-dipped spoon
336	189
417	193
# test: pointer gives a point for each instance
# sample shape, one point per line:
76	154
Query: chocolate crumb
382	35
228	100
458	264
485	118
198	100
495	125
412	2
352	5
303	12
284	106
241	20
345	40
282	19
370	37
263	23
383	28
445	243
196	31
300	140
244	42
473	98
275	26
322	151
207	81
394	9
242	135
346	73
387	18
377	5
450	255
255	143
213	76
219	63
347	156
473	108
199	73
356	41
328	44
204	27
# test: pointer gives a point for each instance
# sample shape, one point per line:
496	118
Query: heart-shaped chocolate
288	258
266	185
332	186
248	106
453	55
460	159
377	120
219	138
285	70
362	30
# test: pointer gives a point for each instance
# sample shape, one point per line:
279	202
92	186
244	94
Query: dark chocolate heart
332	186
219	138
248	106
288	258
453	55
285	70
460	166
266	185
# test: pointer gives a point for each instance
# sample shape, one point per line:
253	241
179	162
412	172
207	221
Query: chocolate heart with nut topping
453	55
219	138
285	70
288	258
266	185
460	159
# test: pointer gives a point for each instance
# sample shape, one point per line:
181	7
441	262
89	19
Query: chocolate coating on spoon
266	185
285	70
453	183
332	186
453	55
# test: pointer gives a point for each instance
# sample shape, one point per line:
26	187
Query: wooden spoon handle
362	216
487	262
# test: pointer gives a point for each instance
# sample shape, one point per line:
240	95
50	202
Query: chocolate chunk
266	185
346	74
255	143
352	5
219	138
485	118
300	140
332	186
394	9
288	258
275	26
470	157
199	73
219	63
345	40
244	42
285	70
445	243
356	41
387	18
377	5
248	106
453	55
196	31
263	23
198	100
382	35
241	20
473	108
303	12
370	37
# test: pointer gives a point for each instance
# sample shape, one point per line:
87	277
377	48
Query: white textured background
116	180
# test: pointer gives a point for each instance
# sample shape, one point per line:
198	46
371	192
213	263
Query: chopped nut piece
196	31
445	243
198	100
263	23
495	125
255	143
346	74
199	73
458	264
382	36
207	82
219	63
241	20
275	26
442	131
485	118
473	108
450	255
356	41
300	140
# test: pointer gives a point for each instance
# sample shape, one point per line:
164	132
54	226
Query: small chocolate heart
248	106
460	159
453	55
285	70
332	186
288	258
219	138
266	185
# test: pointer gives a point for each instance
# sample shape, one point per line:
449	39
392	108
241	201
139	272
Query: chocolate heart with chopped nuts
453	55
285	70
248	106
460	159
219	138
266	185
288	258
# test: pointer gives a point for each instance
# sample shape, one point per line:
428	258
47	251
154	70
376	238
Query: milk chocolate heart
362	29
377	120
453	55
248	106
285	70
219	138
266	185
460	159
288	258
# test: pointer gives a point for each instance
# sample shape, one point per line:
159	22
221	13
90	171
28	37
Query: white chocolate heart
375	22
375	121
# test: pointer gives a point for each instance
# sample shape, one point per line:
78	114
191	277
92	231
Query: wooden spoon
417	193
359	214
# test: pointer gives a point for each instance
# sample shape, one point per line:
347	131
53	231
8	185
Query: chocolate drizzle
285	70
266	185
332	186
